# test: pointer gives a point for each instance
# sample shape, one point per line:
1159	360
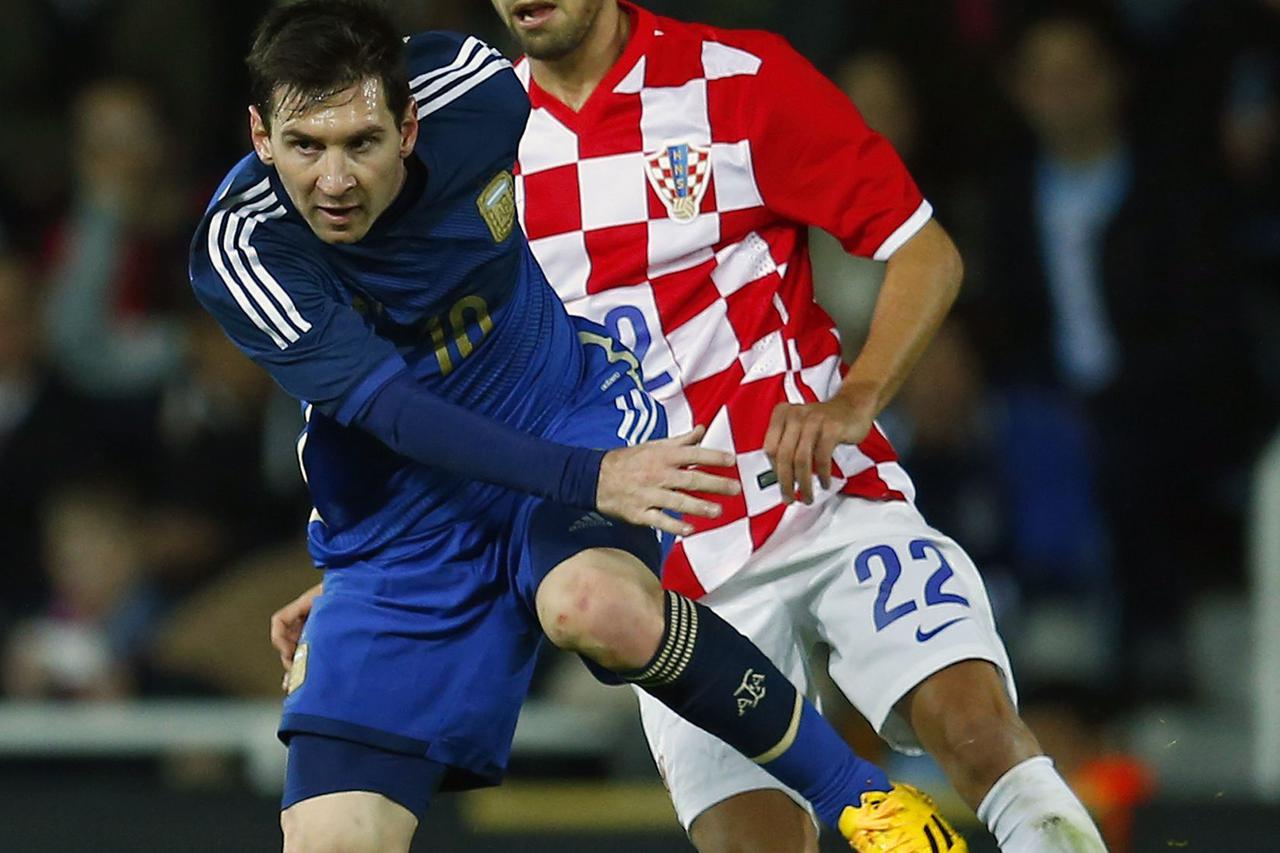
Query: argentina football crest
497	205
679	175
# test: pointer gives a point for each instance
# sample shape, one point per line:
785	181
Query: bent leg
599	602
931	672
762	821
725	801
347	822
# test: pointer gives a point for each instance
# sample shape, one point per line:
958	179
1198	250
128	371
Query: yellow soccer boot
904	820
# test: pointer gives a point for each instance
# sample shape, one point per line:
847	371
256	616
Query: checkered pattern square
666	208
547	220
627	201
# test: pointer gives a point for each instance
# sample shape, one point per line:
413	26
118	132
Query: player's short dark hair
309	50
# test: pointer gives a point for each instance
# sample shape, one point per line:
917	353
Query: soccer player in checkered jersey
667	176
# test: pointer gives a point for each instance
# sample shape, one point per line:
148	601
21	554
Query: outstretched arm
634	484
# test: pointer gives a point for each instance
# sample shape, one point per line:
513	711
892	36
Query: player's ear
260	135
409	129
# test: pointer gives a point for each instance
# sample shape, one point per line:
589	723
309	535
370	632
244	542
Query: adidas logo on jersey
591	519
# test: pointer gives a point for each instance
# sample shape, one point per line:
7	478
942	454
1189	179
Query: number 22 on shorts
887	559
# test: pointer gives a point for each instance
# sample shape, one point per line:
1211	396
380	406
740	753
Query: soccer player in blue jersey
465	441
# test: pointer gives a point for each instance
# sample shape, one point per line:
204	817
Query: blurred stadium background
1111	459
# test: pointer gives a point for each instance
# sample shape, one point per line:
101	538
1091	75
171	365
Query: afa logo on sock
750	691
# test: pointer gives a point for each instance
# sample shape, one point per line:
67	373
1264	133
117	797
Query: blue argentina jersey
443	286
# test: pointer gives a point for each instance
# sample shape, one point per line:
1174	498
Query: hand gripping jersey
443	287
673	207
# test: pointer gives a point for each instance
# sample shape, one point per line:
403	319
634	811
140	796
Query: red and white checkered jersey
673	208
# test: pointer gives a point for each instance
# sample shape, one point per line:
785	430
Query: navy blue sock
718	680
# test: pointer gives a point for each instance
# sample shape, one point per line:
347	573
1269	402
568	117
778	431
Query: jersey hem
880	716
464	772
904	232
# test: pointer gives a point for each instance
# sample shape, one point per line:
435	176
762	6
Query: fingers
286	648
785	459
284	636
810	432
771	436
687	439
712	484
822	454
660	520
691	454
659	503
688	504
800	442
704	457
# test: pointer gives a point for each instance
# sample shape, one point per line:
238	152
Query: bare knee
762	821
964	717
604	604
347	822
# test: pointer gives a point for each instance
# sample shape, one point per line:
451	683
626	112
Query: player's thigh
700	770
898	604
761	821
347	822
346	796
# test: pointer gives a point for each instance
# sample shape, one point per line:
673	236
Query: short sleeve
279	306
818	163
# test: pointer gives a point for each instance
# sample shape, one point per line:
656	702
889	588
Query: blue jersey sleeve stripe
494	63
233	285
254	192
469	47
368	386
234	229
477	58
262	274
241	269
229	181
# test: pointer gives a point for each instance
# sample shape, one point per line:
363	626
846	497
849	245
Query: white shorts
894	599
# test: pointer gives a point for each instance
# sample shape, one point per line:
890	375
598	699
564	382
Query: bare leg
347	822
964	718
762	821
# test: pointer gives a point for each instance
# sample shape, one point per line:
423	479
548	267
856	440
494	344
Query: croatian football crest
679	175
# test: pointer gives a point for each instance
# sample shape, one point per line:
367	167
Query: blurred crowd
1085	424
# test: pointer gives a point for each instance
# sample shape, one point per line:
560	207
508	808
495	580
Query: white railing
247	729
1264	547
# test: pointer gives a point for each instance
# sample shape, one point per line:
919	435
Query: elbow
946	262
953	269
934	250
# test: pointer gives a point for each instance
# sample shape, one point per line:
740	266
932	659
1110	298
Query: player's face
341	159
549	29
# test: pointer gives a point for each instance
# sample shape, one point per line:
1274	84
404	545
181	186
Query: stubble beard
560	44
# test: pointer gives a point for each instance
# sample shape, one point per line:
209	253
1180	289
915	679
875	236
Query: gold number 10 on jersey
468	310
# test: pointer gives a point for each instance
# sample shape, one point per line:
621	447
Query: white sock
1030	809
